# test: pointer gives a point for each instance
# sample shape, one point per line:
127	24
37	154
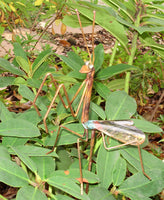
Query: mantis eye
90	66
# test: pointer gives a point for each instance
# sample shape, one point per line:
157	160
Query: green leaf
26	92
6	81
120	106
18	128
30	193
117	84
30	150
45	166
98	110
99	57
25	159
67	185
139	187
30	115
23	63
19	81
4	113
105	163
102	193
150	162
119	172
4	152
19	51
11	174
147	126
40	59
74	175
65	160
14	141
114	70
102	89
43	70
6	66
72	60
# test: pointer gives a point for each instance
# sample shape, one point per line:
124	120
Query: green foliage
144	19
41	166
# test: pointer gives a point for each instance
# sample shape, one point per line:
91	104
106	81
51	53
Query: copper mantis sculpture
120	130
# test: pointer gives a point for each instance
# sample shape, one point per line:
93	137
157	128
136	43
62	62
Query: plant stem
130	61
134	44
113	53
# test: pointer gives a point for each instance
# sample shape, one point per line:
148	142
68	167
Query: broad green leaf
105	18
26	92
102	193
19	51
18	128
97	109
120	106
102	89
99	57
117	84
14	141
77	75
150	162
114	70
119	172
6	81
43	70
68	186
148	29
65	160
4	152
4	113
11	174
25	159
6	66
74	173
139	187
72	60
30	150
30	115
23	63
147	126
19	80
105	163
40	59
45	166
30	193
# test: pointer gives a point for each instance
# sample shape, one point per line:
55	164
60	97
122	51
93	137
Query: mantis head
86	68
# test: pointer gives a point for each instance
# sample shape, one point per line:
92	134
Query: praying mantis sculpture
124	131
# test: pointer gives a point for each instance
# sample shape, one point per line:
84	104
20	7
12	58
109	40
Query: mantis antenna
85	41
